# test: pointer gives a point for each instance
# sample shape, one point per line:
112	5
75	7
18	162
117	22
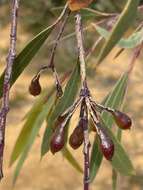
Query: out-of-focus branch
7	77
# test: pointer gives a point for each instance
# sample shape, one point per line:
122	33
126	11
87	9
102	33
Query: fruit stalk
7	78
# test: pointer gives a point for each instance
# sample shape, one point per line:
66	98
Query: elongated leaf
96	159
67	100
69	157
27	128
26	55
120	160
126	19
34	132
31	117
114	100
132	41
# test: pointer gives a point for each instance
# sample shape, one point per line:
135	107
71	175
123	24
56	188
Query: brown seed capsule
122	120
35	88
77	137
75	141
106	144
58	139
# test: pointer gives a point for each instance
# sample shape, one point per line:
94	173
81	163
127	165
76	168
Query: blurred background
53	172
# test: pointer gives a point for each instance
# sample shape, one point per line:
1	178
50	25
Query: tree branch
7	77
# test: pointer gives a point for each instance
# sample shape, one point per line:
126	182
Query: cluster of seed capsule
88	107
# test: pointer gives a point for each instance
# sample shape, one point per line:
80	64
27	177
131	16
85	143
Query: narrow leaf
124	22
114	100
120	160
96	159
132	41
35	129
30	117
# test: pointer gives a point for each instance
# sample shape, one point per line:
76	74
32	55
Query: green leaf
66	101
37	123
69	157
114	100
132	41
124	22
27	128
96	159
26	55
120	160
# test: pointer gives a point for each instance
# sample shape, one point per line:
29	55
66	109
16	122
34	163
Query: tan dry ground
53	172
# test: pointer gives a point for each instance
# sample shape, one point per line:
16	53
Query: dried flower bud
106	144
58	139
77	137
122	120
35	88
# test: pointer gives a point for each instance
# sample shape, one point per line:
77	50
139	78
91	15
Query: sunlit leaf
37	123
120	160
124	22
132	41
30	117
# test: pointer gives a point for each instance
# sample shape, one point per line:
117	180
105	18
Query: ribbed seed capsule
77	137
35	87
122	120
58	139
106	144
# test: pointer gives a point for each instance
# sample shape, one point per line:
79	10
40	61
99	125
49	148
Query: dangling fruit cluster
77	137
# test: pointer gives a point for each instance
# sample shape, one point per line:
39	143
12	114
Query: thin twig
7	77
51	62
51	65
81	51
61	15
